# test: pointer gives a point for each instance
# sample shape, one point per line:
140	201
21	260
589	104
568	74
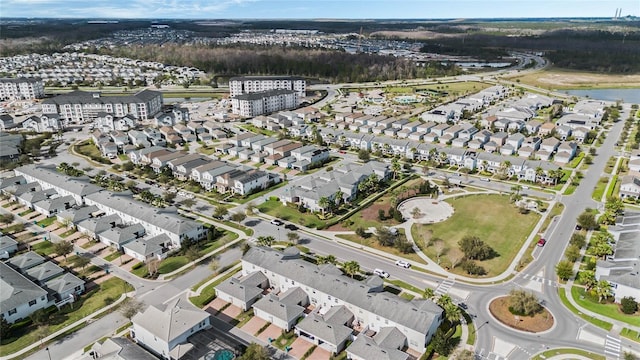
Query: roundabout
538	323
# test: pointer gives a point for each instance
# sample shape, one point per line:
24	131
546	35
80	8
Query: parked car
485	179
291	227
541	242
404	264
381	273
276	222
578	227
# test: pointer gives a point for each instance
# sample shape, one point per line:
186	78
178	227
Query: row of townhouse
83	107
10	147
211	174
621	269
338	185
630	184
30	283
21	88
285	120
113	218
284	153
454	111
461	137
345	314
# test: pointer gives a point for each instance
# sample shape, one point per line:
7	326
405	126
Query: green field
493	218
597	322
459	87
554	352
275	208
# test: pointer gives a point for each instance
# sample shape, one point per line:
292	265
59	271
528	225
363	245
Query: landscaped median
206	292
597	322
563	354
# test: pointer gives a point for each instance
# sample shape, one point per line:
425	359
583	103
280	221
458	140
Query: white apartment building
82	107
252	84
264	102
21	88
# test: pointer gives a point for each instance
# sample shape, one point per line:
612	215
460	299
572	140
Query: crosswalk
612	347
541	280
444	287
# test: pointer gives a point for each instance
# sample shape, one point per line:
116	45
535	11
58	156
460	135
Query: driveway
319	354
299	348
271	331
253	325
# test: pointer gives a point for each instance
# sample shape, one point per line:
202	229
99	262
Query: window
12	311
32	302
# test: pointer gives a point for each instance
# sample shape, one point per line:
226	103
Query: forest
327	65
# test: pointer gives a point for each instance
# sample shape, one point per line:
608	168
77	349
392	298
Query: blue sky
349	9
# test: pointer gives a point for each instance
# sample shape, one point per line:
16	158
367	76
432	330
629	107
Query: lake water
626	95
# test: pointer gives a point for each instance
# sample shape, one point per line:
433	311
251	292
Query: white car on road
404	264
381	273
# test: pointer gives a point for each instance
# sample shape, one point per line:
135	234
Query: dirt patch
499	308
371	211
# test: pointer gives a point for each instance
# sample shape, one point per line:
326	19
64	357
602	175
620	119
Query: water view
626	95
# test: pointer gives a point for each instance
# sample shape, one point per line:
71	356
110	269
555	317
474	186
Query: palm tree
338	197
265	240
602	289
444	300
395	167
323	202
428	293
588	278
516	189
452	313
351	268
329	259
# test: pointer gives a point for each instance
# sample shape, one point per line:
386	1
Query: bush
472	268
629	305
137	266
475	249
578	240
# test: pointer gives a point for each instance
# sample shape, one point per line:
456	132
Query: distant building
264	102
251	84
81	106
21	88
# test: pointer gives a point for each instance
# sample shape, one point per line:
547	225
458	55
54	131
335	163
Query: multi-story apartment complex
81	106
21	88
264	102
252	84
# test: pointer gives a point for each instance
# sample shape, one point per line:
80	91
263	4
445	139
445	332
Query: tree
416	213
600	247
39	317
629	305
255	352
573	253
63	248
587	220
523	303
588	278
428	293
602	290
351	268
465	355
250	209
629	356
516	189
440	343
5	328
188	203
395	167
578	240
440	247
452	313
444	300
323	203
455	257
564	269
293	237
238	217
81	262
364	155
329	259
130	308
265	240
384	236
7	218
475	249
167	196
192	253
220	211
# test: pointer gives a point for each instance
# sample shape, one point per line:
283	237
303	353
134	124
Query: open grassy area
209	293
553	78
499	224
609	310
46	222
96	299
43	248
597	322
275	208
456	87
553	352
598	191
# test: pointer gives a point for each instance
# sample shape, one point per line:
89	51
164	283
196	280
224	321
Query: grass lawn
244	200
466	86
609	310
373	243
499	224
553	352
630	334
96	299
597	322
46	222
67	233
43	248
574	163
207	151
600	188
553	78
114	255
26	212
172	263
275	208
88	149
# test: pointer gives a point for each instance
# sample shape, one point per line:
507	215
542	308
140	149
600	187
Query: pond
626	95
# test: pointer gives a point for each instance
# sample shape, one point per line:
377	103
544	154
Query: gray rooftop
149	246
25	261
16	289
44	271
79	186
64	283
